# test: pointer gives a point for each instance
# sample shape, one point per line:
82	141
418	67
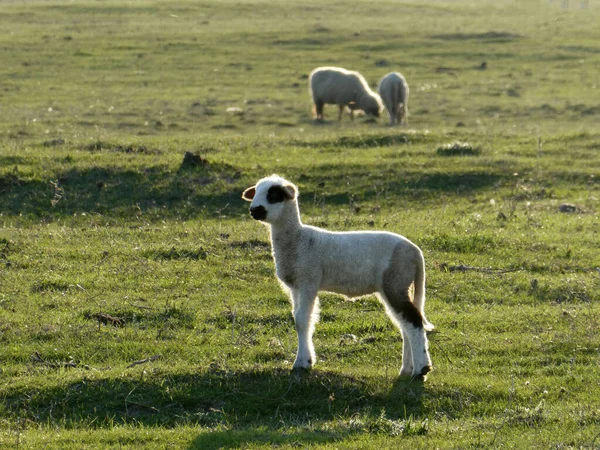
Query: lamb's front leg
306	314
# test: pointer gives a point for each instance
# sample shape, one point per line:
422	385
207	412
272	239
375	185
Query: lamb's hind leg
416	360
419	297
407	359
306	314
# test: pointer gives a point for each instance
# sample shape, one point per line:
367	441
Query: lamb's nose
258	212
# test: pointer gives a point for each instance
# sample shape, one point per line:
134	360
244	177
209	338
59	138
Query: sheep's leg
319	109
306	313
407	359
410	320
404	115
351	107
393	114
417	340
419	297
341	112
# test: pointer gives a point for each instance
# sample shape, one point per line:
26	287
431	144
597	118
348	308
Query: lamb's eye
276	194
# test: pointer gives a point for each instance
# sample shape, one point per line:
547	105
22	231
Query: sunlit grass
138	303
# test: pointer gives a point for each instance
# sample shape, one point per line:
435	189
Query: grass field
138	302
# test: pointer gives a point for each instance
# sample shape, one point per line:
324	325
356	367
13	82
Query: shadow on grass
157	192
272	437
115	192
367	141
394	413
404	185
253	404
6	161
489	36
213	189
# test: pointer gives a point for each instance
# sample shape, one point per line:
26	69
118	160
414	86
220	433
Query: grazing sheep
393	90
337	86
310	259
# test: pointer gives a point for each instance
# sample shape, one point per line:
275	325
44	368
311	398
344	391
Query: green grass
138	302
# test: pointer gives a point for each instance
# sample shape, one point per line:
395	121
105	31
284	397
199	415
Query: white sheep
310	259
393	90
345	88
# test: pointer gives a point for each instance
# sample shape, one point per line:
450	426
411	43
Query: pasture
138	302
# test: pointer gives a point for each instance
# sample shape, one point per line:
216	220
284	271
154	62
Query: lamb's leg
341	112
417	340
419	297
407	359
410	320
306	314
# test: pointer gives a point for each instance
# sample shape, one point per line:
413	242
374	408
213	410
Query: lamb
309	260
394	91
345	88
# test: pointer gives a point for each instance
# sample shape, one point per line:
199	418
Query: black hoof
423	375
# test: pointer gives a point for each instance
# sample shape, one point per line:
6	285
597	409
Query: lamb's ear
249	193
290	191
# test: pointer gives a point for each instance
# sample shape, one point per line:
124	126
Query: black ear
249	193
279	193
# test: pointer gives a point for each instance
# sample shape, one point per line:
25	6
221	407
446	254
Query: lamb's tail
419	297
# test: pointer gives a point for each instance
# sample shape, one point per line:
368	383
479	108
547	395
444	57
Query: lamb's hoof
422	376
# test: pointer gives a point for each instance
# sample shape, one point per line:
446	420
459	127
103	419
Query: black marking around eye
276	194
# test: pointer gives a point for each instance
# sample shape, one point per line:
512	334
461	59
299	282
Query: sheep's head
375	106
373	112
269	197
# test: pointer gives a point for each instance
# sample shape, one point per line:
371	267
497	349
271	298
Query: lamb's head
269	197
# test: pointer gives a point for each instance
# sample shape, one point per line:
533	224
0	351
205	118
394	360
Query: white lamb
345	88
394	91
310	259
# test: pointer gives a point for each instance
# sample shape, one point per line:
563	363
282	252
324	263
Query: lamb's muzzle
258	212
